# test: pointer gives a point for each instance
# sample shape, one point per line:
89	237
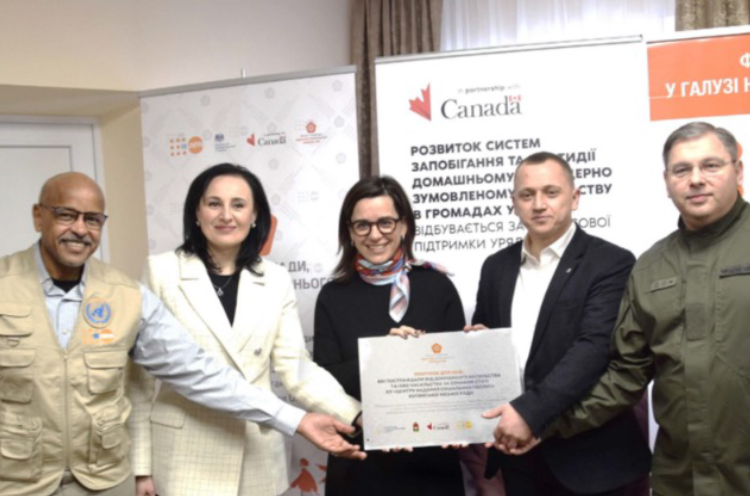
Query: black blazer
569	352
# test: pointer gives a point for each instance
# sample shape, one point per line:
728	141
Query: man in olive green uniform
685	324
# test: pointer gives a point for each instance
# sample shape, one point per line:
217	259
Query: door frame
97	152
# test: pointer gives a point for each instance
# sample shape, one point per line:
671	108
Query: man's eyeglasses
707	168
386	225
67	216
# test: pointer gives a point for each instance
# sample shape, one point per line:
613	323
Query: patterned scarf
393	272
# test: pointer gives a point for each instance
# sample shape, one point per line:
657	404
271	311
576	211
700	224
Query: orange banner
703	77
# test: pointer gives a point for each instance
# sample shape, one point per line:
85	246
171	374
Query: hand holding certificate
432	390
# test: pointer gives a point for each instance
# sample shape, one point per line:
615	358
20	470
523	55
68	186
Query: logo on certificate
436	348
463	425
387	429
415	427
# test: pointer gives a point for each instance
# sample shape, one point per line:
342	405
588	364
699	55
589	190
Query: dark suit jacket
569	352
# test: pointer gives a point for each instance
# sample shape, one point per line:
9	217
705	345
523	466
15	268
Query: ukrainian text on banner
707	76
700	76
298	135
453	128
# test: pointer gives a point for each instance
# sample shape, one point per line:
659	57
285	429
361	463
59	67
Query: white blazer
192	450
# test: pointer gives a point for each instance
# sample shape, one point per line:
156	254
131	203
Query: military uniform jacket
64	408
685	322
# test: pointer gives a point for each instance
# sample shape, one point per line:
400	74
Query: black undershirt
66	285
229	285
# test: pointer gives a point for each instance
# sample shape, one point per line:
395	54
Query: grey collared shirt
167	351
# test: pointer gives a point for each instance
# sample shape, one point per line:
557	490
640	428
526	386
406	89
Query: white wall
136	45
147	44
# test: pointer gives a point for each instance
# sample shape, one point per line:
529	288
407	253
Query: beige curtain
698	14
383	28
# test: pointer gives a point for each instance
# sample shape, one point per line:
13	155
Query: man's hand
455	446
525	448
475	327
405	331
144	486
323	431
512	431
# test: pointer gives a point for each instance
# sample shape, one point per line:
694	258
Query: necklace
220	289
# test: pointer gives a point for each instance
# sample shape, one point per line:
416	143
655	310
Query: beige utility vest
64	408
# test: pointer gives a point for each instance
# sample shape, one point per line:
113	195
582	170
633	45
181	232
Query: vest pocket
20	447
105	370
108	445
14	319
16	375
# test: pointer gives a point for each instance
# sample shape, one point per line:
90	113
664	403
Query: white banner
452	130
299	136
453	127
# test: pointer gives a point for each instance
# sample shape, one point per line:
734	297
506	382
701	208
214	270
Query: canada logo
251	140
422	106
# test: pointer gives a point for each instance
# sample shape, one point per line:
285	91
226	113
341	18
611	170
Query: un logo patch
97	312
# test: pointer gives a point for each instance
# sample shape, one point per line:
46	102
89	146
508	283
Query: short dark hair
541	157
695	130
371	187
194	241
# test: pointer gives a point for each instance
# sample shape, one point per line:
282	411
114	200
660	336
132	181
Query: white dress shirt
531	287
167	351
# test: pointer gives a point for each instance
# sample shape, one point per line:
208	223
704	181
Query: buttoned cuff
287	419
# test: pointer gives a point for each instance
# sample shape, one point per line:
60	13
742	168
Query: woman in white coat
242	310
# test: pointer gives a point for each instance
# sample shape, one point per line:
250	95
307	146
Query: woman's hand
144	486
475	327
408	449
455	446
405	332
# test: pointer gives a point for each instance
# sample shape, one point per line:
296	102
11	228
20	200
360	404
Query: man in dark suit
559	289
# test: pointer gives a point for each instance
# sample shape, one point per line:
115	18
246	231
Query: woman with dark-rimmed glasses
379	288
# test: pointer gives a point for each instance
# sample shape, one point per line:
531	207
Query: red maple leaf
421	106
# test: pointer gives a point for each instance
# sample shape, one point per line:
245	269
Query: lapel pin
568	271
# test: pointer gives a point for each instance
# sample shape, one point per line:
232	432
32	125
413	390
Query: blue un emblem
98	313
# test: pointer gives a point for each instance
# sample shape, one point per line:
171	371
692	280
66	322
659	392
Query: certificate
432	390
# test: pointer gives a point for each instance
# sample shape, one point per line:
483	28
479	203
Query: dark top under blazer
347	311
569	352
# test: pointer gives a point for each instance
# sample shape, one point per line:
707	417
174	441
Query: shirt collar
554	251
48	285
713	231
